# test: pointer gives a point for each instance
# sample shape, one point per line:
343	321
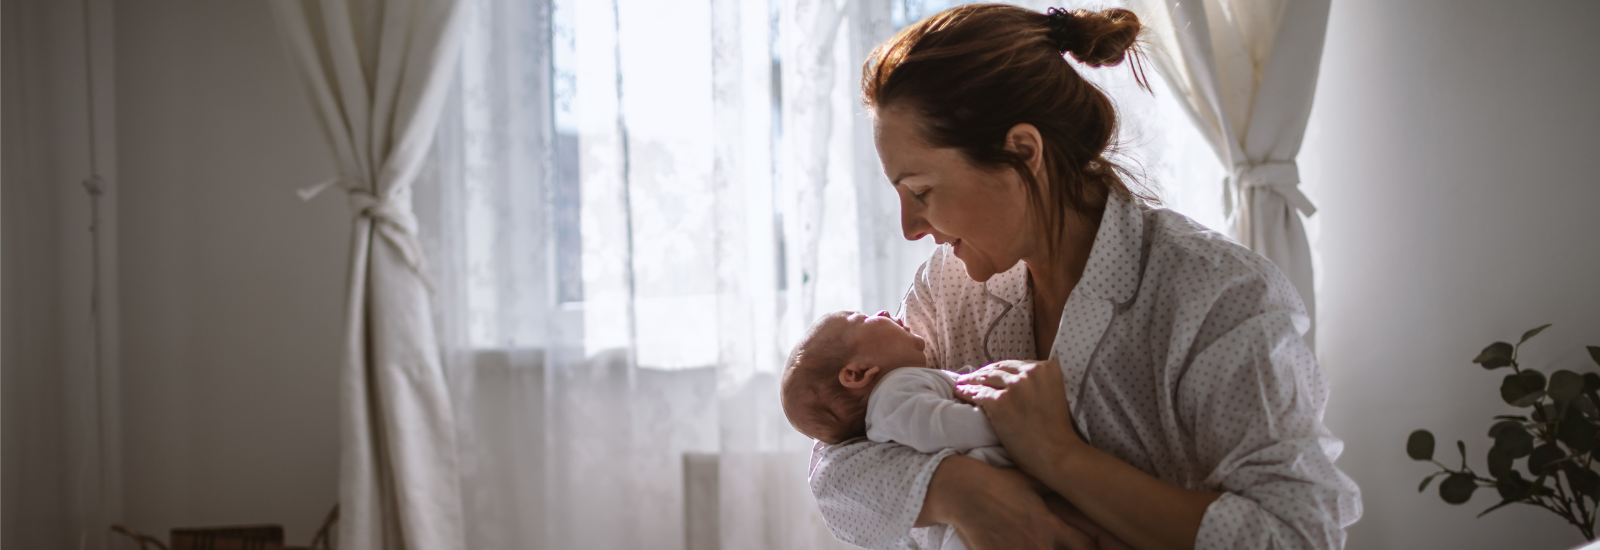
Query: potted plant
1554	441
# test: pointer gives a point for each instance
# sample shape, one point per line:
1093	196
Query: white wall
231	286
60	467
39	171
1454	155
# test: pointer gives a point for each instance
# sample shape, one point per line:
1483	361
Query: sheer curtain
633	210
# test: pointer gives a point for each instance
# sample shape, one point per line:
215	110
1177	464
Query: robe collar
1112	273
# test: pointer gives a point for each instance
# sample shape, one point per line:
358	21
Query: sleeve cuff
1228	524
919	490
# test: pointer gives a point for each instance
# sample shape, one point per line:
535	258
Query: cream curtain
635	207
377	73
1246	71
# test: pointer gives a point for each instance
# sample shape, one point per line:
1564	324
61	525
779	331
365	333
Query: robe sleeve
1258	417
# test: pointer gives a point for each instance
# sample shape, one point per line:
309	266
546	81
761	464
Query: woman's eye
923	193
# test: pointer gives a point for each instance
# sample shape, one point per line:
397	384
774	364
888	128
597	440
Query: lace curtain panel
632	211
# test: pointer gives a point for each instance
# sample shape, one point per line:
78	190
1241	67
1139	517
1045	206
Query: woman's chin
977	269
979	273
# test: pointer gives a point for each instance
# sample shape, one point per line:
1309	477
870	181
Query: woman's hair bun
1095	38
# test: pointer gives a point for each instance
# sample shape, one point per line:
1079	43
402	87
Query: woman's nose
912	223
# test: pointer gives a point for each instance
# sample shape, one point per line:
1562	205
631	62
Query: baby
855	375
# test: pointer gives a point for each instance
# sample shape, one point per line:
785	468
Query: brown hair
810	387
973	72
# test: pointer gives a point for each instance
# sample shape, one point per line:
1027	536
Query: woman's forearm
945	490
994	508
1146	512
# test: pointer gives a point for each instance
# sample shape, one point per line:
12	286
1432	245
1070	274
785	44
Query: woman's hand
994	509
1072	516
1026	402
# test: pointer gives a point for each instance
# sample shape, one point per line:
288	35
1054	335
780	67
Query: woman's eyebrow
901	176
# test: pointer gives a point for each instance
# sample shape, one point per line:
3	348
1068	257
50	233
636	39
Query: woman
1192	410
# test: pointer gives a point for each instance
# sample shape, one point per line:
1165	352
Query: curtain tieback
1282	177
397	226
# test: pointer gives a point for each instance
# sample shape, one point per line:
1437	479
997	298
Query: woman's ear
1024	139
857	375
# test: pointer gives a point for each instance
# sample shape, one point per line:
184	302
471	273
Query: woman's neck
1055	271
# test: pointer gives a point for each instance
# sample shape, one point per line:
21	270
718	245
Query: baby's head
832	371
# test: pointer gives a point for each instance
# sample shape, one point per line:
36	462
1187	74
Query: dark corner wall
228	289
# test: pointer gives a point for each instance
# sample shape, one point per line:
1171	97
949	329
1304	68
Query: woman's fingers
998	375
993	379
978	394
1001	368
996	509
1012	366
1069	538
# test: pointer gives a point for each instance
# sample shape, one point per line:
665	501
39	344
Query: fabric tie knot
1281	177
396	224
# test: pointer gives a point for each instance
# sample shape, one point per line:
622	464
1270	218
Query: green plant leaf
1510	417
1585	407
1502	504
1457	488
1591	381
1578	433
1494	431
1591	483
1495	356
1512	487
1539	461
1532	333
1583	480
1499	463
1515	442
1429	479
1462	446
1537	487
1594	353
1533	379
1565	386
1522	390
1420	445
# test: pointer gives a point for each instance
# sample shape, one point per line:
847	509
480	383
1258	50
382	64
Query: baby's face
879	339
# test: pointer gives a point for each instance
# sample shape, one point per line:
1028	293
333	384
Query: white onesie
917	407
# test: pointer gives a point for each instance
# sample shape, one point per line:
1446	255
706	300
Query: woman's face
983	215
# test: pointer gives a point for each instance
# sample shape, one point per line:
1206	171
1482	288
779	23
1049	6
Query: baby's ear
857	375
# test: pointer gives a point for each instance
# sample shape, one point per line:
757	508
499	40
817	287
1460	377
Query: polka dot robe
1183	357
